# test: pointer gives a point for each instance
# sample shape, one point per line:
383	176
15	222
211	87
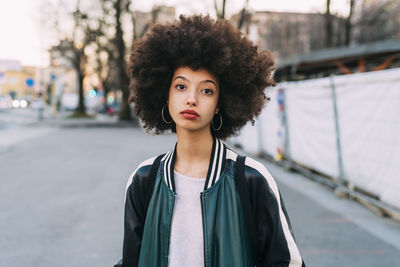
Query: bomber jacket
149	208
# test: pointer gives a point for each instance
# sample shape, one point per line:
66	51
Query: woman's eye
180	86
207	91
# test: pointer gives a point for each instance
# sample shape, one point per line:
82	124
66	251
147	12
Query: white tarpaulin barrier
368	117
311	125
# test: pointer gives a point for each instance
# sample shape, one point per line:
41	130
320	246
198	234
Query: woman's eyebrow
205	81
209	81
184	78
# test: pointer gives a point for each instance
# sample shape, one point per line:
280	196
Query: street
62	195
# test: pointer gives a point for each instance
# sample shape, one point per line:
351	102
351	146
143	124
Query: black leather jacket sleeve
275	239
134	216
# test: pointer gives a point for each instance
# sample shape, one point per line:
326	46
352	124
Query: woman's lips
189	115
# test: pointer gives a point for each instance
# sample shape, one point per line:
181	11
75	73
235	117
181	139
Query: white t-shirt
186	239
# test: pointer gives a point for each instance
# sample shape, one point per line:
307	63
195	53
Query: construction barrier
346	127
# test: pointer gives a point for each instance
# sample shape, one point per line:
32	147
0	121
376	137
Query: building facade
289	33
16	80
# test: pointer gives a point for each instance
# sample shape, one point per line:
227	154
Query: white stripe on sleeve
144	163
295	258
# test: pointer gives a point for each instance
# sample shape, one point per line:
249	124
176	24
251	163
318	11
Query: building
289	33
16	80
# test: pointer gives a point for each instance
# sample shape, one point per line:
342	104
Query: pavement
27	116
23	124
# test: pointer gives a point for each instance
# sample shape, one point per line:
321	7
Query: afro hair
200	42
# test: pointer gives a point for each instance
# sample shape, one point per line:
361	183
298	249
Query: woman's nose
192	99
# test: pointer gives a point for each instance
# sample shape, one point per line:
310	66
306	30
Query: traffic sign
30	82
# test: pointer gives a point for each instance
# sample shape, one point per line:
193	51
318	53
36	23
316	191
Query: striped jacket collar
215	167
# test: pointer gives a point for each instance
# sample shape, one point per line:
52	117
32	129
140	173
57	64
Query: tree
244	16
220	12
104	55
328	25
348	26
377	20
100	44
119	7
79	59
72	48
122	8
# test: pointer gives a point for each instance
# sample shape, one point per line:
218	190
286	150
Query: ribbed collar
215	167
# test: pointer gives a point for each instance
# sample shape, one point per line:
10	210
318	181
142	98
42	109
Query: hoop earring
212	123
162	115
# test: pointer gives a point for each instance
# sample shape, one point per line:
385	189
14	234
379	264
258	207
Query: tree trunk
223	8
348	23
79	67
328	25
243	16
125	113
81	109
106	90
220	15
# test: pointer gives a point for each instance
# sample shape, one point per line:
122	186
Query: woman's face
193	98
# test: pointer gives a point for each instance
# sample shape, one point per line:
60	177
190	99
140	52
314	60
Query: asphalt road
62	193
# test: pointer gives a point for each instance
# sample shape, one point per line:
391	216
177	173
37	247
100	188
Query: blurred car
114	108
38	104
93	103
19	103
69	101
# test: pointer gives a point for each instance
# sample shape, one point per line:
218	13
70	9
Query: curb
84	123
91	124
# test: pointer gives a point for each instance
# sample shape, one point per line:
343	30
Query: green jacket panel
225	235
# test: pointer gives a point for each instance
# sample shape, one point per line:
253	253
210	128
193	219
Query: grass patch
79	115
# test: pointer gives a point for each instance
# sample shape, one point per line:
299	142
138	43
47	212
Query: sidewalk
100	120
24	117
25	125
333	231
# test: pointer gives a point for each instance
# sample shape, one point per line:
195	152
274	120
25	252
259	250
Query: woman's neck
193	153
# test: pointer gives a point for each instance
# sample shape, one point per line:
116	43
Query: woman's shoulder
142	171
256	166
255	170
257	173
252	165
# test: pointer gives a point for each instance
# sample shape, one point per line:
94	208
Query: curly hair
200	42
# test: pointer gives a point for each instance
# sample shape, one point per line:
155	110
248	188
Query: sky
23	39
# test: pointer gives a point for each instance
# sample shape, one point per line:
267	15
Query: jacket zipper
204	240
170	226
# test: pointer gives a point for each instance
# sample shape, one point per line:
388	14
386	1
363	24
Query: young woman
200	204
